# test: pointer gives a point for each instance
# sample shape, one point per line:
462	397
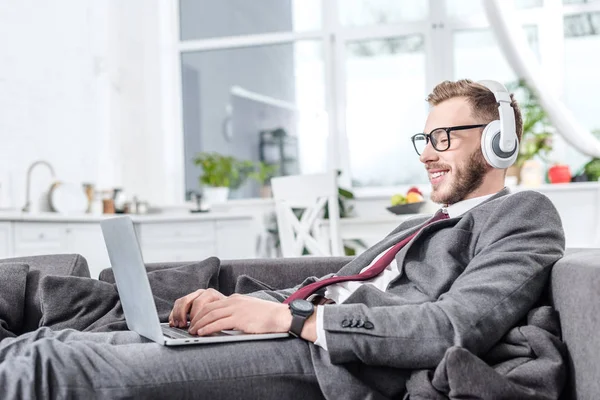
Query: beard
468	176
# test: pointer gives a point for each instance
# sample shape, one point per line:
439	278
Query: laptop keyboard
176	333
180	333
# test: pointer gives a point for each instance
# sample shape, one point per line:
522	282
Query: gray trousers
49	364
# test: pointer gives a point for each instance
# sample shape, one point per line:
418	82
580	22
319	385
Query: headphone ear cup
490	147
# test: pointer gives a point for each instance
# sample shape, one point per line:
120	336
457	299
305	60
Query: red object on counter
559	173
414	189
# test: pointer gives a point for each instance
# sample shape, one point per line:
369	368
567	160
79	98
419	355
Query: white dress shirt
339	292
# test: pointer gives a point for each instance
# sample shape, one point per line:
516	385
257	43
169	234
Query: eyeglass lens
439	139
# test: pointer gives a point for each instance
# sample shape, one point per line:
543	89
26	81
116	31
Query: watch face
302	306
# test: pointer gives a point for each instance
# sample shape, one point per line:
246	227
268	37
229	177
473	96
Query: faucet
28	183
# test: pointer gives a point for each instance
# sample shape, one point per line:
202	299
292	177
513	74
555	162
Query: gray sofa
574	290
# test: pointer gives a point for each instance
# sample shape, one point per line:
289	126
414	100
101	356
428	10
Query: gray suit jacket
463	282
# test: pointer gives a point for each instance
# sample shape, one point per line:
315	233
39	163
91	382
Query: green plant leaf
537	129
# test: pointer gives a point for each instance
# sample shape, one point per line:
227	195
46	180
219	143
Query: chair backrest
310	193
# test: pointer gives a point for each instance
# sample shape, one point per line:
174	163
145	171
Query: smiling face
460	172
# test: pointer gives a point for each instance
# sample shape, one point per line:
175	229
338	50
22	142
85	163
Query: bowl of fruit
409	203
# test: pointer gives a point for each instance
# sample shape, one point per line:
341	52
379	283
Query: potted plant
590	172
263	173
220	173
537	129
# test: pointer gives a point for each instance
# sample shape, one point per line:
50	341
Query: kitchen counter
163	237
8	216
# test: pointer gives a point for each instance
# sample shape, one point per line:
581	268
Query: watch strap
297	324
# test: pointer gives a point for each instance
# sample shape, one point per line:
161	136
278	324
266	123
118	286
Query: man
463	280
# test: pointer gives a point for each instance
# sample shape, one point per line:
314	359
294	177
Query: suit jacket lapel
428	230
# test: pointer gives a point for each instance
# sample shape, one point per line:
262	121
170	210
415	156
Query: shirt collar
458	209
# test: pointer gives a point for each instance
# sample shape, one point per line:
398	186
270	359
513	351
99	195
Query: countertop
13	216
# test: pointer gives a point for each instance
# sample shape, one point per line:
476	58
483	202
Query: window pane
208	18
582	56
381	12
529	3
578	1
532	35
471	8
385	91
465	8
479	45
587	24
219	116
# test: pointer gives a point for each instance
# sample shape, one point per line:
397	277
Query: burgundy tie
374	270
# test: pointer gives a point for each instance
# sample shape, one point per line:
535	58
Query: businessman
462	277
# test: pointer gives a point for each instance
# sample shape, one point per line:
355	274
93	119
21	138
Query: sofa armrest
279	273
575	293
54	264
40	266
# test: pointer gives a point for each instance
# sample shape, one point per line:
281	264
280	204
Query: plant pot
266	192
214	195
514	173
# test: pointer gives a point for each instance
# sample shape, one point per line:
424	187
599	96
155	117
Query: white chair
311	193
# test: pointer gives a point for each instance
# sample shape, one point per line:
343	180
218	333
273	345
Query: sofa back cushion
276	273
38	267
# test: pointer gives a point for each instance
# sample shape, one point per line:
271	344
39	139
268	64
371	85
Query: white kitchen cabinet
5	239
38	238
236	239
162	239
177	241
86	238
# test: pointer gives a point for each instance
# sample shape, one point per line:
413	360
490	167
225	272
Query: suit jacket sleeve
514	252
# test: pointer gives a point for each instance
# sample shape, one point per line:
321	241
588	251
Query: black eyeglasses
439	137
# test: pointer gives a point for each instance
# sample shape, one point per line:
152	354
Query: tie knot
439	215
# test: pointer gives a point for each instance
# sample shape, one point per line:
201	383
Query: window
380	12
347	78
477	56
383	79
233	96
582	42
529	3
202	19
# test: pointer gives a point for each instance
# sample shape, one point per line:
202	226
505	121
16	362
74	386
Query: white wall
136	103
80	87
47	92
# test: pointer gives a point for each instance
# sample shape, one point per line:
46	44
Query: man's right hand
191	304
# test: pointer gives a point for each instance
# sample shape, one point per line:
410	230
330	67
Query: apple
413	197
559	173
398	199
414	189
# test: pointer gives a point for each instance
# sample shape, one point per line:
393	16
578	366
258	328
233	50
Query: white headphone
499	142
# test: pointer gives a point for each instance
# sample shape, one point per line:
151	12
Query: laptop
136	295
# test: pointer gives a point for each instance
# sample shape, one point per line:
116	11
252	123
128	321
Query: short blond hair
482	101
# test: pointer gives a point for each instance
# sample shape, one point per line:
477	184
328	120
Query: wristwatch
301	310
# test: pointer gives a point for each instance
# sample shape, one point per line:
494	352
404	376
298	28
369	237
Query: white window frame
437	30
